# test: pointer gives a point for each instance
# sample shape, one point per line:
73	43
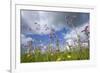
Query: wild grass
38	56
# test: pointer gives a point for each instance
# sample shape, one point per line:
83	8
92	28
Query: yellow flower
51	54
28	55
59	59
68	56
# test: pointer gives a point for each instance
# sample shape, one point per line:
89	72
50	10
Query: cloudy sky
38	25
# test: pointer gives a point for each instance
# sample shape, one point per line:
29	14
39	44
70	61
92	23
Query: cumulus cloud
37	22
72	36
25	40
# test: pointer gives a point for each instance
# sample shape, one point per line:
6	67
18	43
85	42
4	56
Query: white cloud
40	21
72	36
25	40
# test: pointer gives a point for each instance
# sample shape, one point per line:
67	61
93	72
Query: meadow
62	36
38	56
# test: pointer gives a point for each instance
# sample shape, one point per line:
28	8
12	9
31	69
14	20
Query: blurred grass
38	56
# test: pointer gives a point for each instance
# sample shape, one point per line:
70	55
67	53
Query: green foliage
38	56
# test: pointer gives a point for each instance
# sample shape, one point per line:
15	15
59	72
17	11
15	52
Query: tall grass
38	56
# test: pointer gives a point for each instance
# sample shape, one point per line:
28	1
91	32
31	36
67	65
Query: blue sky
38	25
45	39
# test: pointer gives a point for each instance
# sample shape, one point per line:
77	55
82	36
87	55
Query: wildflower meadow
48	36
